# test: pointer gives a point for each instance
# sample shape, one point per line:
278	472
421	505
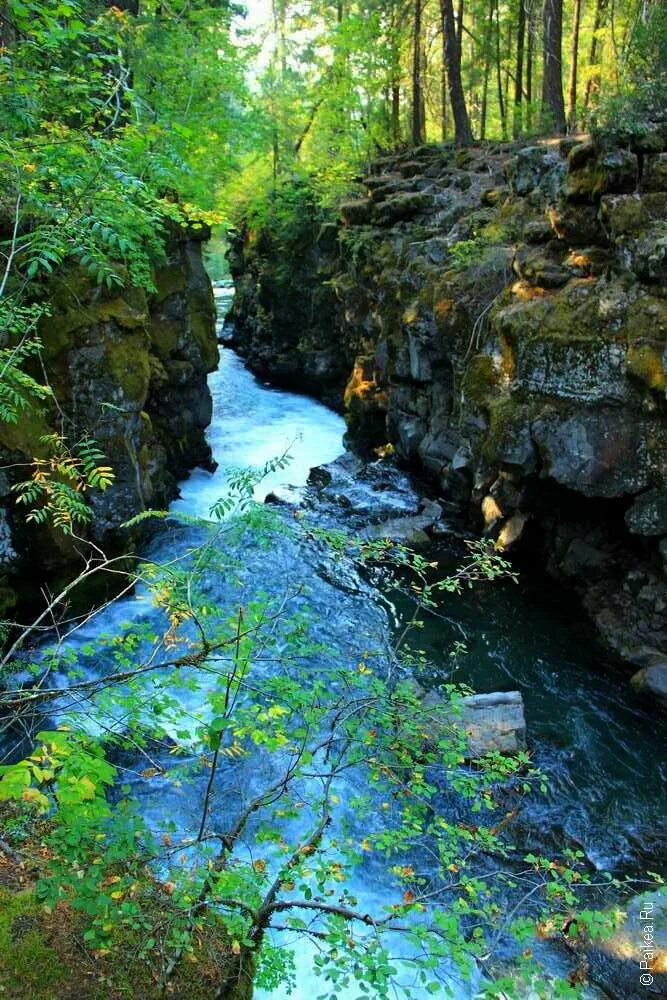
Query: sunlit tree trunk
593	82
517	123
417	95
501	102
574	58
443	93
530	61
396	112
459	25
279	70
424	82
553	105
488	31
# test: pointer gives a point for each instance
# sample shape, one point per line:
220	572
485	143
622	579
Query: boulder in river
652	680
493	722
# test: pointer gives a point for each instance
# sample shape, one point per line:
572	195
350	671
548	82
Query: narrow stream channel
598	744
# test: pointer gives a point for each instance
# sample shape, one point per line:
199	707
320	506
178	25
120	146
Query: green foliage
19	391
354	737
113	129
65	771
57	484
464	253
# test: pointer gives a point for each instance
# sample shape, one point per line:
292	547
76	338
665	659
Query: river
590	734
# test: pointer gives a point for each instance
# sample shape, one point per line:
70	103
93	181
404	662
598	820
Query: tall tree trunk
501	102
574	59
517	123
423	76
393	35
530	60
553	106
508	73
131	6
417	124
593	82
396	112
7	28
279	70
462	130
443	93
488	34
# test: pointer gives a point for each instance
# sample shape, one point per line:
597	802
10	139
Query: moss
506	413
76	303
647	363
128	311
44	958
624	214
202	327
355	213
648	314
169	280
30	967
129	366
24	436
164	335
480	379
585	309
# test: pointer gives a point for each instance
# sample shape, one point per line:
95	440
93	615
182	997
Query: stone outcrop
501	313
128	369
284	313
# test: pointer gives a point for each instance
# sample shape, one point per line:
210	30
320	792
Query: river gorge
181	401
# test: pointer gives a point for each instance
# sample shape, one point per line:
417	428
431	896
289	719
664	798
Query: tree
517	121
462	129
574	59
417	85
501	99
553	108
593	81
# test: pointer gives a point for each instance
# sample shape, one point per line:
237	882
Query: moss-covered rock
593	172
106	353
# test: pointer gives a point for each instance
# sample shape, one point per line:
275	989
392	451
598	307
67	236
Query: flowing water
598	744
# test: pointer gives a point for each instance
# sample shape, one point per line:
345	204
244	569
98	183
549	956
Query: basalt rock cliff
499	315
127	368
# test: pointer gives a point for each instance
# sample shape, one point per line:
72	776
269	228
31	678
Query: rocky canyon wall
499	315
